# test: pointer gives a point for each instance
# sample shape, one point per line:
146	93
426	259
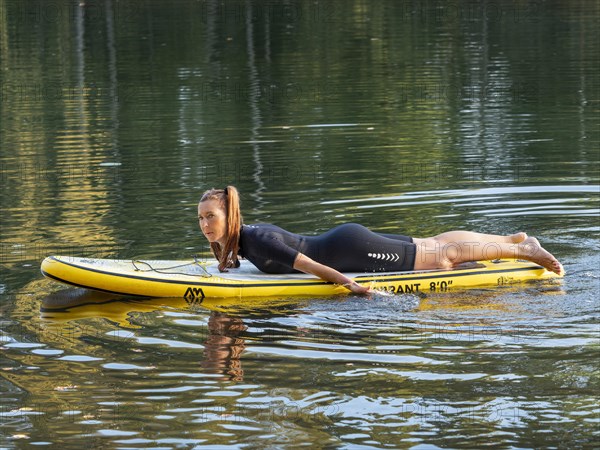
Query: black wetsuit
346	248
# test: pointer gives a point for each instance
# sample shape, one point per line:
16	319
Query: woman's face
213	221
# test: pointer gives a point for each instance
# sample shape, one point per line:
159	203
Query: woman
349	247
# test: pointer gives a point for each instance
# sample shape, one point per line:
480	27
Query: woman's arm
305	264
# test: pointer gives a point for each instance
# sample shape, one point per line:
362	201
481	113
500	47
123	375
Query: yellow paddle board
193	279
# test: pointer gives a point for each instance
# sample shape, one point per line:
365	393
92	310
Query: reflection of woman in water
223	347
349	247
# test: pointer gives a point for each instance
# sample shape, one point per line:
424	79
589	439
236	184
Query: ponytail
229	199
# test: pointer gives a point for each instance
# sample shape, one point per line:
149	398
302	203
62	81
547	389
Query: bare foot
531	250
517	238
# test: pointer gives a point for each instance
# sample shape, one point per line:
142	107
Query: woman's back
348	248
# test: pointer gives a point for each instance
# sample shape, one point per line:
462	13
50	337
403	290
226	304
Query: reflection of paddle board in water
73	304
70	304
198	280
221	337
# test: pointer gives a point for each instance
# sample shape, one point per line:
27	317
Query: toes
557	268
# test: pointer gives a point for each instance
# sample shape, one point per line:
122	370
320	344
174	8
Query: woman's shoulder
255	229
263	231
261	227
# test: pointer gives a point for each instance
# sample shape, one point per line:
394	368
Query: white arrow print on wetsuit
387	256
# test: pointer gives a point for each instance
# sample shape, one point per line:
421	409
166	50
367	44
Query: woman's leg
471	236
450	249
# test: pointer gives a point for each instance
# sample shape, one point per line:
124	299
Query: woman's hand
357	288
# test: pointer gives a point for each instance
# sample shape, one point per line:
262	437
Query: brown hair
229	199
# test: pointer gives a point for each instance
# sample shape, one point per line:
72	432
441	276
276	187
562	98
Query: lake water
414	117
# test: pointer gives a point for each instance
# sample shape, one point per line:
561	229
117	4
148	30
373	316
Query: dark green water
406	116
